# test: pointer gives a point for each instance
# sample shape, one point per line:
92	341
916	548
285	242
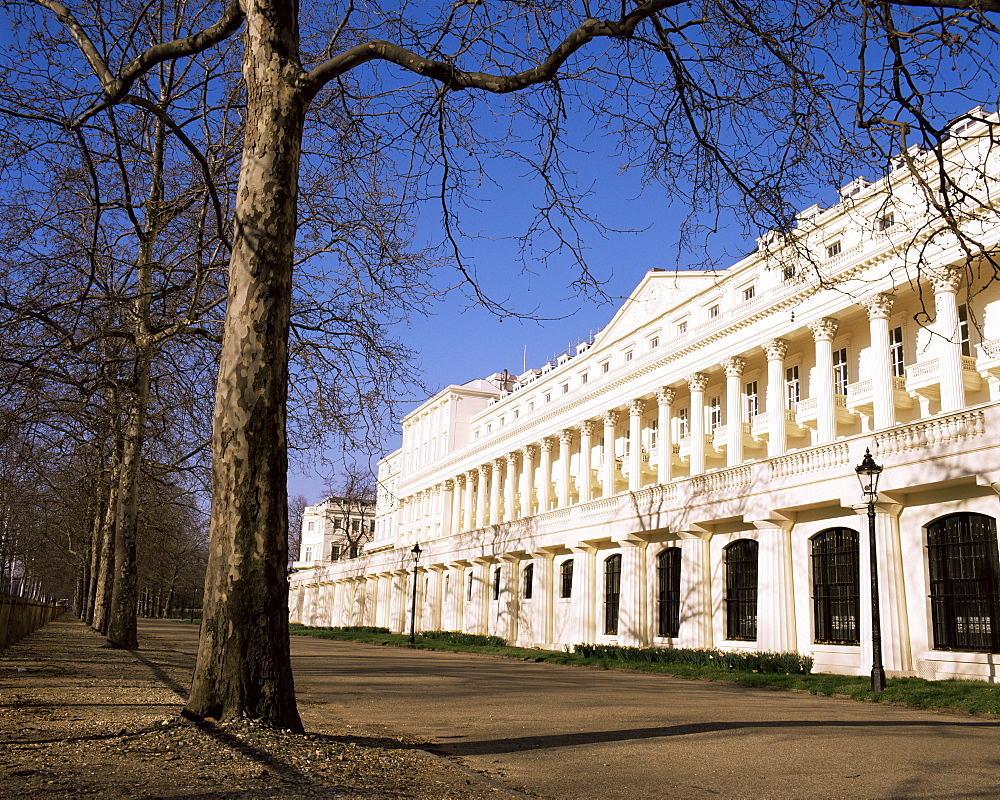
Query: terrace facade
686	478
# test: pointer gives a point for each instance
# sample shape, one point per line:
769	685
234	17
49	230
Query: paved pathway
572	733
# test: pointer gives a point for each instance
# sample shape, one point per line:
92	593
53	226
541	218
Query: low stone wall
19	617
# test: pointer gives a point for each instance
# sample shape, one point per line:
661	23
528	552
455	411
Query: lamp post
868	475
413	602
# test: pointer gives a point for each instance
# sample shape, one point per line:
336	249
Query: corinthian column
635	409
565	440
823	331
734	410
697	383
665	445
481	497
948	340
609	468
775	350
586	471
545	478
495	507
510	487
527	478
879	307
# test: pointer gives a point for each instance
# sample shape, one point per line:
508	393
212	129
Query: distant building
337	528
688	479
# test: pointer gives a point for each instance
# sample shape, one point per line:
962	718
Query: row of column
524	482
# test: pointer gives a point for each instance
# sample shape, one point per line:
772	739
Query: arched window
496	583
668	579
566	578
612	592
529	579
468	589
835	581
741	589
962	560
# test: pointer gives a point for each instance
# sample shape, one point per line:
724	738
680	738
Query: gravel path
78	720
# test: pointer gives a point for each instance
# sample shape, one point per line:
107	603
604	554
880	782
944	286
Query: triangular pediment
658	293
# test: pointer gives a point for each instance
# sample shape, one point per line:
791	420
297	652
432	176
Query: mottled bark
243	666
106	556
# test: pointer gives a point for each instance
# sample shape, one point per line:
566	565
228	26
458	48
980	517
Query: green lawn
969	696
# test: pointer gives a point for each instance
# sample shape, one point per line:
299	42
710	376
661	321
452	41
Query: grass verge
968	696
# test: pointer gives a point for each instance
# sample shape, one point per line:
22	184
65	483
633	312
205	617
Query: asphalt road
578	734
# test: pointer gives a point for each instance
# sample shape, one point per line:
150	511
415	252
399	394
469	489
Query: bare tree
707	97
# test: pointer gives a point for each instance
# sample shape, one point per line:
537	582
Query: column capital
586	428
734	366
775	349
945	279
529	451
824	329
511	459
879	305
460	479
665	395
545	445
697	381
483	470
566	436
611	418
497	464
636	407
449	485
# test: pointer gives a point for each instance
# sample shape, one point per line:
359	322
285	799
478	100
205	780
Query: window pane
962	561
668	573
741	590
836	594
612	592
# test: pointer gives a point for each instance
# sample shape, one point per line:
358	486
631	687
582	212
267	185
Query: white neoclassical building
687	478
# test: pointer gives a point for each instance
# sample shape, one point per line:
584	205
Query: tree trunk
243	667
106	561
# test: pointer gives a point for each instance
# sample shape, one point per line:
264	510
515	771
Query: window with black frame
741	590
566	578
612	592
529	580
496	583
963	566
836	586
668	579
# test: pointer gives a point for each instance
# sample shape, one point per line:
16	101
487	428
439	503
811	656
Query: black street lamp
413	603
868	474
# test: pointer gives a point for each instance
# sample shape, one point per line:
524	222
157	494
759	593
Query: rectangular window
496	583
886	221
605	367
628	356
489	427
896	352
682	423
713	311
682	328
583	378
312	526
654	433
833	249
963	329
548	397
788	273
309	554
517	413
749	293
714	413
566	579
565	388
752	399
840	375
654	342
334	552
502	422
793	389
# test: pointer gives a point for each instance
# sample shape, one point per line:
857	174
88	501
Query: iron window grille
741	590
668	576
612	592
836	586
566	579
963	567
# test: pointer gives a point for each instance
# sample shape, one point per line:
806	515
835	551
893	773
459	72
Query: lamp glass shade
868	474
